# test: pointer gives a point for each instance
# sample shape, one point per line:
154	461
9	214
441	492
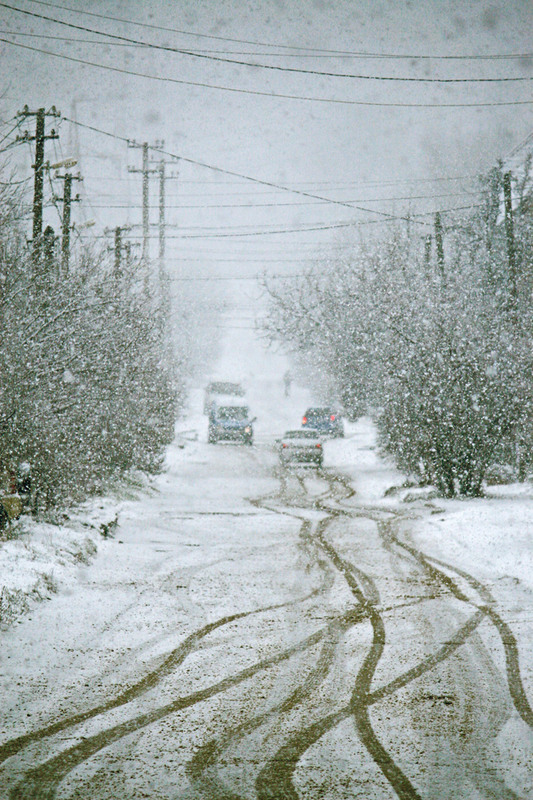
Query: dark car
301	447
325	419
230	423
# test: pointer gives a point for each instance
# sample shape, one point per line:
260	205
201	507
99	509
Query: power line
235	277
410	217
337	185
234	174
258	93
296	203
311	55
261	66
322	51
259	232
311	228
69	39
326	224
157	149
15	126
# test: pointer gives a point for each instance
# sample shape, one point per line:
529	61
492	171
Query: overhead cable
255	43
261	66
235	174
258	93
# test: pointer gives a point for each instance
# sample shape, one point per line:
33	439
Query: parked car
230	423
326	420
301	447
220	389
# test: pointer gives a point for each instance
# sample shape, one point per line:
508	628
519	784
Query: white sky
349	152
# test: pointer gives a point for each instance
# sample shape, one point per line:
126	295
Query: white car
302	446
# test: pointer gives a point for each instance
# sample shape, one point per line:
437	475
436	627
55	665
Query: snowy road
254	633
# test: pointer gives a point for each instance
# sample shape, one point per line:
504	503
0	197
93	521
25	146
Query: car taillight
304	421
318	445
332	418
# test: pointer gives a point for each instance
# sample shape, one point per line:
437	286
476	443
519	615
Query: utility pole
511	251
427	249
39	139
146	209
161	212
146	171
119	245
65	227
439	244
164	287
512	306
38	184
118	252
49	241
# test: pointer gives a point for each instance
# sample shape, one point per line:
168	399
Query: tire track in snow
508	640
55	769
274	782
276	778
171	663
41	782
492	785
505	634
205	758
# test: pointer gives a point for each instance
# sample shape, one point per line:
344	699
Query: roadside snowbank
39	558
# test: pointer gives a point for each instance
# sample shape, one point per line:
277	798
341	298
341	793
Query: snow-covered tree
89	386
443	359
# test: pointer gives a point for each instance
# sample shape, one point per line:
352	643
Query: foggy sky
349	152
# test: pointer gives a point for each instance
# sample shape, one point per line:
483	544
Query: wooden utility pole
118	252
38	184
119	246
161	211
65	228
65	224
439	243
511	250
146	208
38	166
427	249
146	171
49	242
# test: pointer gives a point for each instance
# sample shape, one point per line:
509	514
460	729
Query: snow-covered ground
216	638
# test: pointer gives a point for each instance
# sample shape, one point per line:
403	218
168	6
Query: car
220	389
301	447
326	419
230	423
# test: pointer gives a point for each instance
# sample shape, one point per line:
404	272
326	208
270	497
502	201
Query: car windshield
221	387
233	412
318	412
301	434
